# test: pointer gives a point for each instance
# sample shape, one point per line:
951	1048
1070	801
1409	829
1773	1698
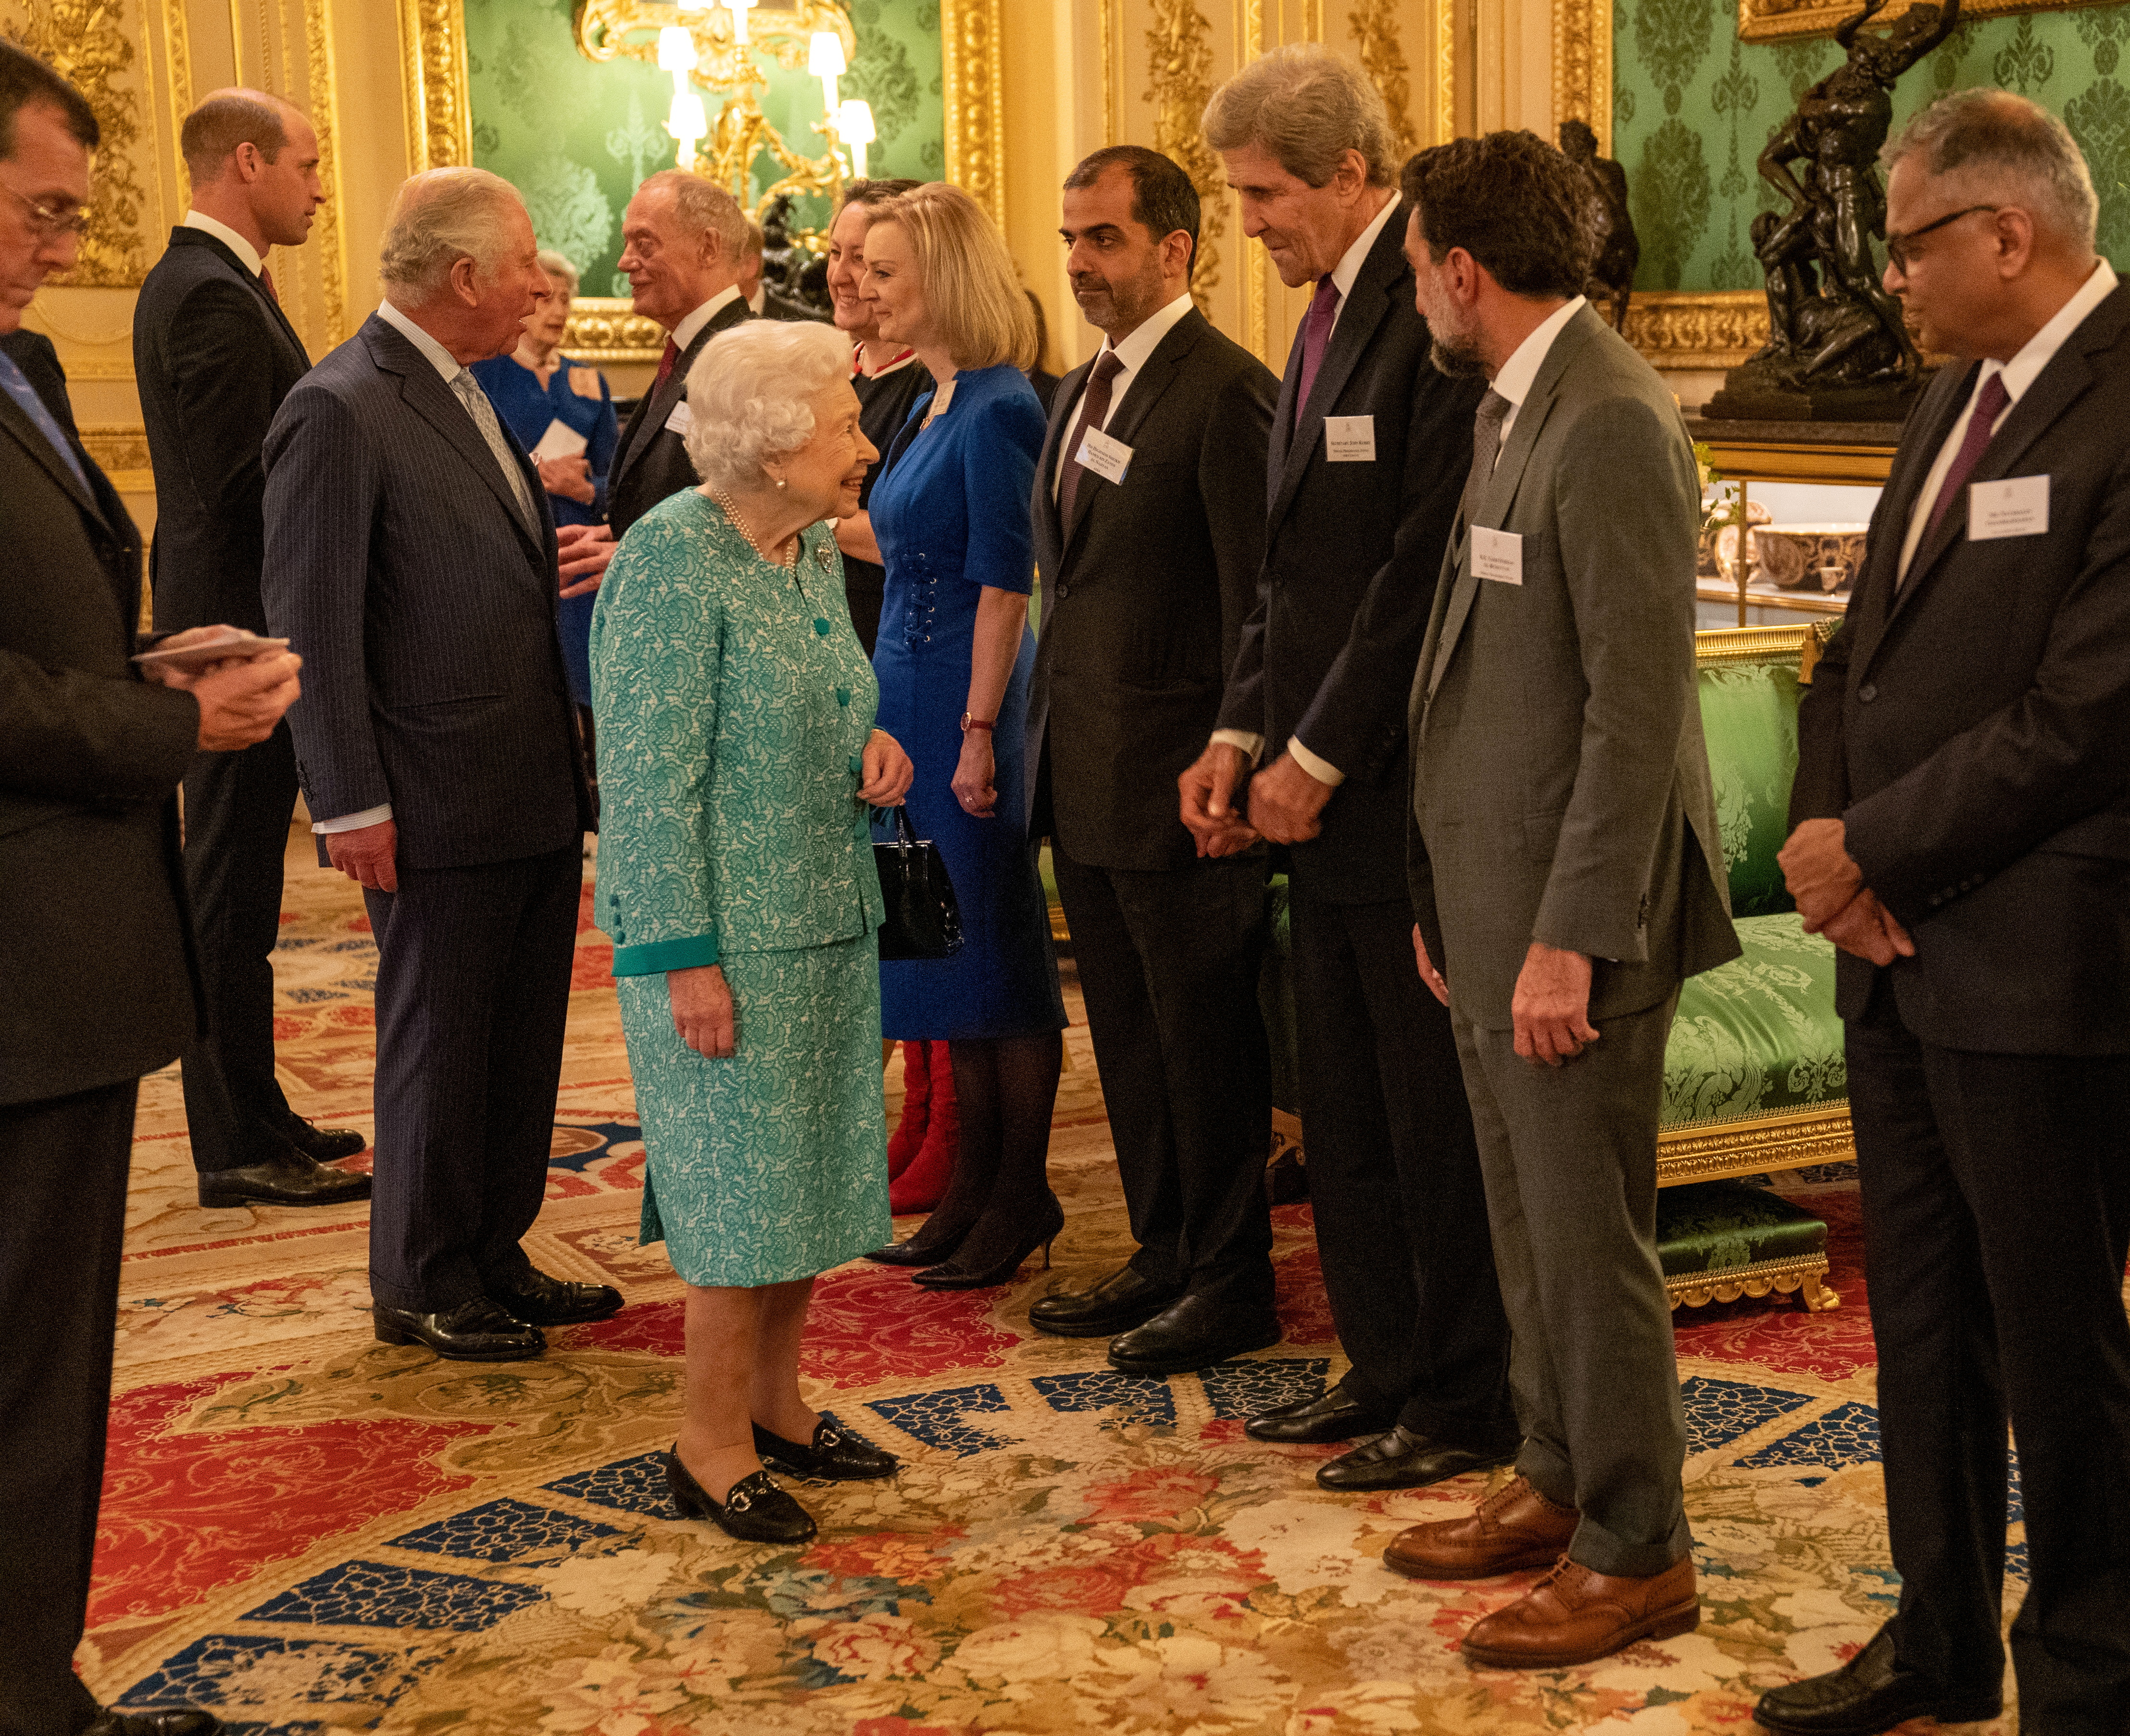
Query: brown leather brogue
1516	1527
1573	1615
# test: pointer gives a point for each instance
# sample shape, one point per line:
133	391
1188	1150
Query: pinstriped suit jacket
398	565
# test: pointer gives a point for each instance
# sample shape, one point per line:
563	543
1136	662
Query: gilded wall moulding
1179	51
606	329
439	112
1679	328
971	44
117	446
1582	66
325	104
1375	28
1777	20
86	42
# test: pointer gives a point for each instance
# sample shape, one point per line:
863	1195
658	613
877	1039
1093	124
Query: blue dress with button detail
952	516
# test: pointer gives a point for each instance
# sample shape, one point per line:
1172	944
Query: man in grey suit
1566	876
410	555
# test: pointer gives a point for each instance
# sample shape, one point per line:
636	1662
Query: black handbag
922	919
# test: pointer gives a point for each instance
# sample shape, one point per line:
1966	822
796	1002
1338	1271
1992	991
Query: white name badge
1107	458
682	418
2018	507
1497	555
1350	439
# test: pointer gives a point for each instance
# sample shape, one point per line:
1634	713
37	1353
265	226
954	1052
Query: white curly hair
748	395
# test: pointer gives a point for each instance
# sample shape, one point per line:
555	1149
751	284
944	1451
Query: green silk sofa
1754	1077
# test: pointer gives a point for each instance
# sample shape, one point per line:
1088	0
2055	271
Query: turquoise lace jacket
732	703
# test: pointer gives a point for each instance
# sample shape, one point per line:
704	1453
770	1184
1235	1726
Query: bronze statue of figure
1618	249
795	280
1832	326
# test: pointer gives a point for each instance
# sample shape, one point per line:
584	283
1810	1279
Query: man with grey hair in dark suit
1566	876
409	554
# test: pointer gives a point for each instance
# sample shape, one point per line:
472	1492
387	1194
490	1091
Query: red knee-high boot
904	1144
919	1186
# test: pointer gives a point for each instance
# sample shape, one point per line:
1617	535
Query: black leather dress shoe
290	1178
754	1510
478	1331
1870	1694
1330	1416
327	1145
1194	1331
835	1455
1119	1303
172	1721
1400	1459
539	1300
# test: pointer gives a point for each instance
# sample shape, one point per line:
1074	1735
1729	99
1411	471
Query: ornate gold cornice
1179	51
439	111
606	330
1582	66
971	44
117	446
1776	21
1685	328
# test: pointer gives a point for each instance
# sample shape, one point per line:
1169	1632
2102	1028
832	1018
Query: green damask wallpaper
1693	106
576	137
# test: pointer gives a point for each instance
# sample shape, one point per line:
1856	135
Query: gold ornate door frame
604	330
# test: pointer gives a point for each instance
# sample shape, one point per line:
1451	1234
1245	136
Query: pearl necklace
731	512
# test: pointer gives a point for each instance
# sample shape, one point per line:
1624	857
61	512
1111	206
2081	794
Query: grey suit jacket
400	567
1560	788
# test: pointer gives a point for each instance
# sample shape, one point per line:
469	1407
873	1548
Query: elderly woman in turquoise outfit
735	711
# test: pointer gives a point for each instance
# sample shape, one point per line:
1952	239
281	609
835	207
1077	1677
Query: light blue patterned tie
475	400
18	387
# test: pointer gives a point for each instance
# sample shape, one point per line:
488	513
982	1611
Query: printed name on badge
1497	555
1107	458
2017	507
1350	439
682	418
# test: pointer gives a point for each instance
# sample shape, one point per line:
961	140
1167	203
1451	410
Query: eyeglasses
1897	245
46	219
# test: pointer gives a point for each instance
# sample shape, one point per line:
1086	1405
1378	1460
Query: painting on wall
575	135
1693	104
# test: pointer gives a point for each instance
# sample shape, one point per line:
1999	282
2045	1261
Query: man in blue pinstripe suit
410	554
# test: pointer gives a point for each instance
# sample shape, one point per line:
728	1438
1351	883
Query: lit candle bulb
854	127
676	50
739	9
824	60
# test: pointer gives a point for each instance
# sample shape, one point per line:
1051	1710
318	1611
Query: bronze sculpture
1837	348
1619	251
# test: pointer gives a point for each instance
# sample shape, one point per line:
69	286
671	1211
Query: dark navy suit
400	565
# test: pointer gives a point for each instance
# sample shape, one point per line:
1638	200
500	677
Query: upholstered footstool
1721	1240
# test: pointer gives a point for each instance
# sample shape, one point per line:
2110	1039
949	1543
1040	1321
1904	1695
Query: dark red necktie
266	282
1094	411
666	358
1989	405
1315	338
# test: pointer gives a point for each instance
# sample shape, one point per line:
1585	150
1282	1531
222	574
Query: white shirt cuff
1242	739
1322	770
354	822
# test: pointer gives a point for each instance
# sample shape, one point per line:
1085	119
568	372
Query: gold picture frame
1773	20
604	330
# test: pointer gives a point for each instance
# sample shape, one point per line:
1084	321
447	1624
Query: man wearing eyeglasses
1962	819
92	952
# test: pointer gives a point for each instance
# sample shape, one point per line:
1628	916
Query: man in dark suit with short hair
1149	551
410	555
93	950
1370	445
214	355
1961	823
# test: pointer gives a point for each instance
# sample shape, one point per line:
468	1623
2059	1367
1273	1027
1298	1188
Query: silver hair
748	393
703	208
439	218
1305	107
559	265
2008	147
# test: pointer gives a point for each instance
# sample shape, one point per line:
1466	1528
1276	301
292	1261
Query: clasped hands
1832	898
1284	803
585	552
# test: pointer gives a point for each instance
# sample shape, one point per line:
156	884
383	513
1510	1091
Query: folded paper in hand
561	440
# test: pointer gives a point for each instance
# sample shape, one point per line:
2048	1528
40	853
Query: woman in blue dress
953	660
531	388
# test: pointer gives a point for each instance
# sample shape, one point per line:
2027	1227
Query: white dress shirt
448	368
1343	275
684	333
2019	373
1131	357
247	256
1514	380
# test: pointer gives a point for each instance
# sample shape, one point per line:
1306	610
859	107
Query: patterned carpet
312	1532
